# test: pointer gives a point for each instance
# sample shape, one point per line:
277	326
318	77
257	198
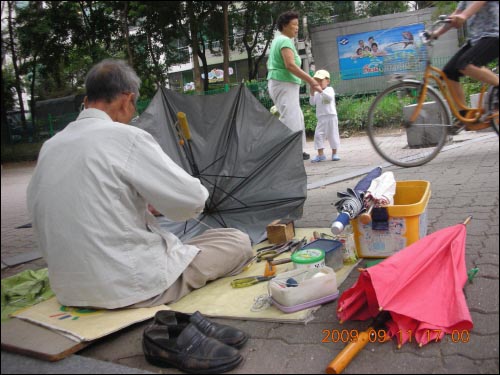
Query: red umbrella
421	287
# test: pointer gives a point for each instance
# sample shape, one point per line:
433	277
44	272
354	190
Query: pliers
271	252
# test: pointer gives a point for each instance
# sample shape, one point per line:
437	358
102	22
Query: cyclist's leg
481	74
472	62
452	71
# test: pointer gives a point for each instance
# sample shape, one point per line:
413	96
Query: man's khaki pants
221	252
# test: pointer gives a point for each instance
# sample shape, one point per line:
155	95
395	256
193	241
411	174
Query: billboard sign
379	52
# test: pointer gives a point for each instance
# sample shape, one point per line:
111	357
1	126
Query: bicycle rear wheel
492	107
396	139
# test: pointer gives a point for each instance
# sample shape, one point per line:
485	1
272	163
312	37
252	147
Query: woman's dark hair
285	18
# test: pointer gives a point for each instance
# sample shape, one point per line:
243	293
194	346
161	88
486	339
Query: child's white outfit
326	113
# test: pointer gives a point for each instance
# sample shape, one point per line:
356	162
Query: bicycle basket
402	61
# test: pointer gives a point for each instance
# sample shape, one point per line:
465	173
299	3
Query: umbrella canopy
249	161
363	184
421	286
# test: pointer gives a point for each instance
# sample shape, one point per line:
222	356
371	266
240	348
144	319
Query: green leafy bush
353	113
310	119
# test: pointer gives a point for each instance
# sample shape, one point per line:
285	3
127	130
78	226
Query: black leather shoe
225	334
305	156
188	350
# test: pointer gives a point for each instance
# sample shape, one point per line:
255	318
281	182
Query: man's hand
154	211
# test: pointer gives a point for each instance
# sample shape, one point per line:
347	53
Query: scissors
249	281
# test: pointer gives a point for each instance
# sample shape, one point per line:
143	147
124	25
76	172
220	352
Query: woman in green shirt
285	75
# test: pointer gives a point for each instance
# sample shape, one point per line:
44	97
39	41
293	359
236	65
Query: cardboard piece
22	337
82	324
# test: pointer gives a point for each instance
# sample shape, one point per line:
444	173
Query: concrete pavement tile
479	347
482	294
485	324
22	258
17	364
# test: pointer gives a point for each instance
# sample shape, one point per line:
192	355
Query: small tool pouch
380	218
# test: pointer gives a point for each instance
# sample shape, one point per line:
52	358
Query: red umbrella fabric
421	286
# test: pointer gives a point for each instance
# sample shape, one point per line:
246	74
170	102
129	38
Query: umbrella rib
219	175
268	204
225	192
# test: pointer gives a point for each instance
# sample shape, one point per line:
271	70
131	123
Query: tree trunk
32	91
14	63
157	69
202	55
126	33
225	5
193	28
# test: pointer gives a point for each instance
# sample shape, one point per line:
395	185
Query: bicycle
408	122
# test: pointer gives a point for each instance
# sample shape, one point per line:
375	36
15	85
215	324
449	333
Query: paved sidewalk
464	181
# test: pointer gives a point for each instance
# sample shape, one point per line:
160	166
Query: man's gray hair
109	79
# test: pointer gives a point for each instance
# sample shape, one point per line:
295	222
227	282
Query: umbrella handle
348	353
181	116
366	217
340	222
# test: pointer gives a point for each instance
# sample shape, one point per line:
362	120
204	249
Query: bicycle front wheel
395	138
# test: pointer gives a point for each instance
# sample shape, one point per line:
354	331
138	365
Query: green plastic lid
308	256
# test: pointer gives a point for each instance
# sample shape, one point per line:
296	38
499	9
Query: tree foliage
52	44
379	8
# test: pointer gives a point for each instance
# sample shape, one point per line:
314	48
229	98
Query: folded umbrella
380	193
351	203
349	206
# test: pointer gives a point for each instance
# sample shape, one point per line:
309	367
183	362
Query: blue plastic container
333	252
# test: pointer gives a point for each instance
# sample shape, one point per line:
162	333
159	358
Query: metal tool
271	252
249	281
317	235
270	269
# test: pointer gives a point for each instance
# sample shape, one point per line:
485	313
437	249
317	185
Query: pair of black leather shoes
192	343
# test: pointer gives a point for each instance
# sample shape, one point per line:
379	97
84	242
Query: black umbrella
249	161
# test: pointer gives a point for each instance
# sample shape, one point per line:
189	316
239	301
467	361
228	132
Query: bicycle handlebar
426	35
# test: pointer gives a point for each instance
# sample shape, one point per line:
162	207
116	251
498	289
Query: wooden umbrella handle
348	353
366	217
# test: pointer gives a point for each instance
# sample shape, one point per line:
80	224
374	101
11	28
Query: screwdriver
249	281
